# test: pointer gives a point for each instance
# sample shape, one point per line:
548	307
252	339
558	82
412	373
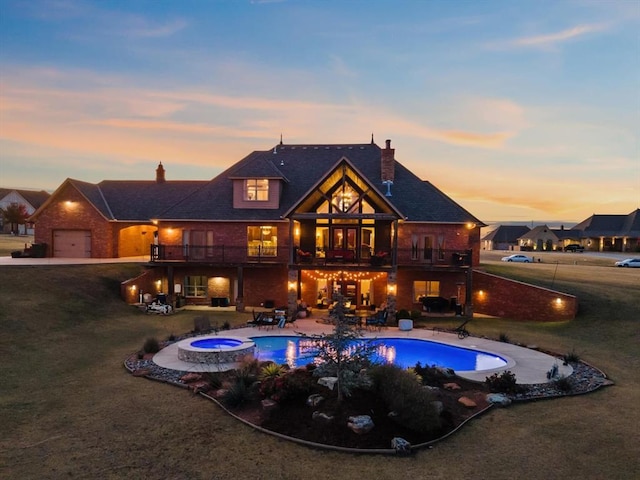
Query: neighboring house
31	199
540	238
294	222
505	237
615	233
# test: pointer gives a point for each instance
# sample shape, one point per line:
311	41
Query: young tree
15	214
342	353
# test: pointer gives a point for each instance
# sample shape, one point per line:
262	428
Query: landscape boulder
360	424
401	446
329	382
499	399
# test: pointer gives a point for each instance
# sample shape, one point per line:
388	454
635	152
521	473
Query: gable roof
300	167
610	225
506	233
137	201
538	231
35	198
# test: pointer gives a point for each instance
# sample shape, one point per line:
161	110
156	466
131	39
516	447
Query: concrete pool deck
529	366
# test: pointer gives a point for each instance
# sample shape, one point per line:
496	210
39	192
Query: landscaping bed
285	410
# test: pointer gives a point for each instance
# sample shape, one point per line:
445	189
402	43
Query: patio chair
377	321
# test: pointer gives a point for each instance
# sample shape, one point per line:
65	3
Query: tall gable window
256	189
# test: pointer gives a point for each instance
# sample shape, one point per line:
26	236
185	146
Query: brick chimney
160	173
388	162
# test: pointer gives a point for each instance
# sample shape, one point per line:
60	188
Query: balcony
238	255
219	254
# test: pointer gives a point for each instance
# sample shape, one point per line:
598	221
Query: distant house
505	237
31	199
540	238
615	233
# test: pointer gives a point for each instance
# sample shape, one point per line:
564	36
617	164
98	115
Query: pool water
220	343
404	352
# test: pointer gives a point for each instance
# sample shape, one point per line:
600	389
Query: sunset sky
525	111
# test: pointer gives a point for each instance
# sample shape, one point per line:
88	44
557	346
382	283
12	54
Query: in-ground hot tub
214	349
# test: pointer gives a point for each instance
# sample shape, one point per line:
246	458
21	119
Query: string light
344	275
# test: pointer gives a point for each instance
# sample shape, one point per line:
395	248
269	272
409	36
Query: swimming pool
404	352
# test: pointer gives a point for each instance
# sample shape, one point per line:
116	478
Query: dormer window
256	189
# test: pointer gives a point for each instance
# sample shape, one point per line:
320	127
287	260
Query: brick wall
456	238
502	297
70	211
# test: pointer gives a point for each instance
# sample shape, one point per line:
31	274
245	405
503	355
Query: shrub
416	315
504	382
214	379
571	357
411	402
504	338
403	314
226	325
271	370
433	375
288	386
238	394
171	338
563	384
248	370
151	345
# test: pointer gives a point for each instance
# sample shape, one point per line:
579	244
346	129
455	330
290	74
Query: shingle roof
35	198
610	225
506	233
302	166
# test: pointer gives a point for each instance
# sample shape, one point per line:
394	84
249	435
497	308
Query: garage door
72	243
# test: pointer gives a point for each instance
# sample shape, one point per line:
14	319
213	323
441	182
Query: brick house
295	223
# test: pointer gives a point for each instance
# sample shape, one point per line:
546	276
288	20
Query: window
256	189
425	288
262	241
195	286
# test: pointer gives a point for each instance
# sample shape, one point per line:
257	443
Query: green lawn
70	410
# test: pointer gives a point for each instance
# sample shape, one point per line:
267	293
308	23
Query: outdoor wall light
391	289
558	301
292	285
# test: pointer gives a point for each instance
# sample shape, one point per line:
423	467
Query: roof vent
388	183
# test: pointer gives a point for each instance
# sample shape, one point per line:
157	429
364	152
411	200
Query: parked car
574	247
629	262
517	258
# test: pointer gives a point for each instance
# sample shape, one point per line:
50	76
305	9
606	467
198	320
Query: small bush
171	338
504	382
416	315
433	375
403	314
403	395
248	370
226	325
151	345
563	384
571	357
238	394
214	379
271	370
504	338
289	386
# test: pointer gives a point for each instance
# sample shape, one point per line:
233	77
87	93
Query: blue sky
523	111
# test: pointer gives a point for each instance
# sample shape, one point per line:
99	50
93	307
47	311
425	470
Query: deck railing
223	254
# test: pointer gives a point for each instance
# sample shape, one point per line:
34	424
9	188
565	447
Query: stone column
240	292
392	287
292	291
